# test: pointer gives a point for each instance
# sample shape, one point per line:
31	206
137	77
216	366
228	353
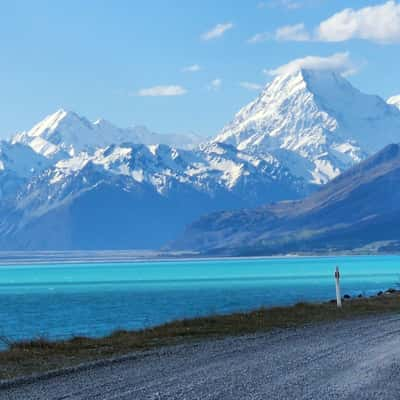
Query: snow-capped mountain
211	168
315	122
133	195
18	163
65	133
69	183
394	101
105	187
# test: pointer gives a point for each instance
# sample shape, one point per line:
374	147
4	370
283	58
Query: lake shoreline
352	358
62	301
38	357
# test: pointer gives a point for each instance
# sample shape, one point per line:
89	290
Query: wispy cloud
158	91
260	37
217	31
215	84
297	33
250	86
379	23
192	68
339	62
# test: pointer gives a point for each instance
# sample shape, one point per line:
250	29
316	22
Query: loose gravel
358	359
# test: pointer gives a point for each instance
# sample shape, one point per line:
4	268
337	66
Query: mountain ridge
65	133
357	209
145	186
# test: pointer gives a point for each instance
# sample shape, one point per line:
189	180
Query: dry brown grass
38	356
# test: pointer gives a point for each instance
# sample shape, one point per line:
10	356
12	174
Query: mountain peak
315	122
302	77
53	122
65	133
325	78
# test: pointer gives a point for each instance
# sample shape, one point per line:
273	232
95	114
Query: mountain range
69	183
357	211
64	134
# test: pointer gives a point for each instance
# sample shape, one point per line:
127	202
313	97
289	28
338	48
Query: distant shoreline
8	259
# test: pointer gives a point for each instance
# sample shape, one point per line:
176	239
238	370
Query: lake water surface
58	301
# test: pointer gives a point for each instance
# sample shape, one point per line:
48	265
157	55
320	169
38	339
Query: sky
182	65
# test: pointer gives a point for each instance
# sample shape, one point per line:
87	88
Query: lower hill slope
360	209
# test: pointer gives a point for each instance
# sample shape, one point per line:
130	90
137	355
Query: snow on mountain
211	168
18	163
65	133
149	193
359	210
126	194
394	101
20	160
315	122
74	184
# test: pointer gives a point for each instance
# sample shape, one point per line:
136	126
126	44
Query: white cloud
259	38
339	62
156	91
217	31
250	86
379	23
296	33
215	84
192	68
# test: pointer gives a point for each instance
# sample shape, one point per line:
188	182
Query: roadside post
338	296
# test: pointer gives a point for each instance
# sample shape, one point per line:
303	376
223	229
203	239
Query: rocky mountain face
360	209
69	183
315	122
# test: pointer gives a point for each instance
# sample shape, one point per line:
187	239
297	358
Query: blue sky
127	61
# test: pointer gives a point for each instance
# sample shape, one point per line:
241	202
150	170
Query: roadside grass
41	355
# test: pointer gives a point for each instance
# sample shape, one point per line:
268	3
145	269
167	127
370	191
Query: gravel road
343	360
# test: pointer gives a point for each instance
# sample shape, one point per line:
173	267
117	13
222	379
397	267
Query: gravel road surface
357	359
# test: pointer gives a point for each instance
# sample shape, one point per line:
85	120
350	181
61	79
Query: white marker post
338	296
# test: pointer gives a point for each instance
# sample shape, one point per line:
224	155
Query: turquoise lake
58	301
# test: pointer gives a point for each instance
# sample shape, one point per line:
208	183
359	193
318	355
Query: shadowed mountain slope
360	208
